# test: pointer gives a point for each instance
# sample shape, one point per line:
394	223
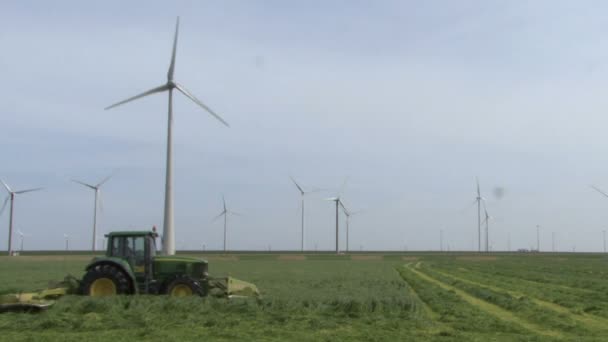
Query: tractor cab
137	248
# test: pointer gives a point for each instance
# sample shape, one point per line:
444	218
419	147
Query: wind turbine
487	223
168	229
348	215
302	194
478	199
338	202
225	213
97	189
538	238
22	236
11	196
67	241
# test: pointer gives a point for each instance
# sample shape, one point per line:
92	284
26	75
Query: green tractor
131	266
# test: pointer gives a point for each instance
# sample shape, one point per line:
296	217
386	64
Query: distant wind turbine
302	194
538	238
97	189
348	214
478	200
168	229
22	236
487	223
67	241
11	197
338	202
225	214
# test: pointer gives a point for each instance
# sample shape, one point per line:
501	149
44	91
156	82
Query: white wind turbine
11	197
67	241
348	214
486	221
169	86
225	213
97	189
338	201
302	194
22	236
478	200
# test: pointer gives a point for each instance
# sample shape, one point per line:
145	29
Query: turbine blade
235	213
218	216
224	200
297	185
28	190
598	190
104	180
478	191
344	208
198	102
4	204
144	94
332	199
342	187
172	65
83	183
6	186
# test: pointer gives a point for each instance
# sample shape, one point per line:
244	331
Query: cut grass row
455	316
578	301
547	315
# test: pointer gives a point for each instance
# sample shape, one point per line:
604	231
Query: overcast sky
409	100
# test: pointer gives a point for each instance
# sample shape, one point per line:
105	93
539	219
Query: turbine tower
348	214
67	241
22	236
302	194
225	213
538	238
338	202
97	189
478	199
11	197
486	221
168	229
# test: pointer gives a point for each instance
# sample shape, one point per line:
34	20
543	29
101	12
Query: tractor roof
133	233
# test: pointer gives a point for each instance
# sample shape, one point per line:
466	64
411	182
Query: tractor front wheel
104	280
183	286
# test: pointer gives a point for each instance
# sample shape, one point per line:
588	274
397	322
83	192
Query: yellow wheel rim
181	290
102	287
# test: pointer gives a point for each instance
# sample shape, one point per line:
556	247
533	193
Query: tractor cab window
132	249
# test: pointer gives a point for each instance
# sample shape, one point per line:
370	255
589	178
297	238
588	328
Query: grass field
410	297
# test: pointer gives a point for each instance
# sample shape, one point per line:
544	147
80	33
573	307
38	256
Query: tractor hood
169	265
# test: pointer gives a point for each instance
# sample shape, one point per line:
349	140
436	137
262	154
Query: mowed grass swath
415	297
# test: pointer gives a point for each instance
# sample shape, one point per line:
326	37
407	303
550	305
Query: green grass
453	297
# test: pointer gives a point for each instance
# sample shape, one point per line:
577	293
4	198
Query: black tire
183	285
121	282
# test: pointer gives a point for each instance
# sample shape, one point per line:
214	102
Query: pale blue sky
409	99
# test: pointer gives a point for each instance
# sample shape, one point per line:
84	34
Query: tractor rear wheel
105	280
183	286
